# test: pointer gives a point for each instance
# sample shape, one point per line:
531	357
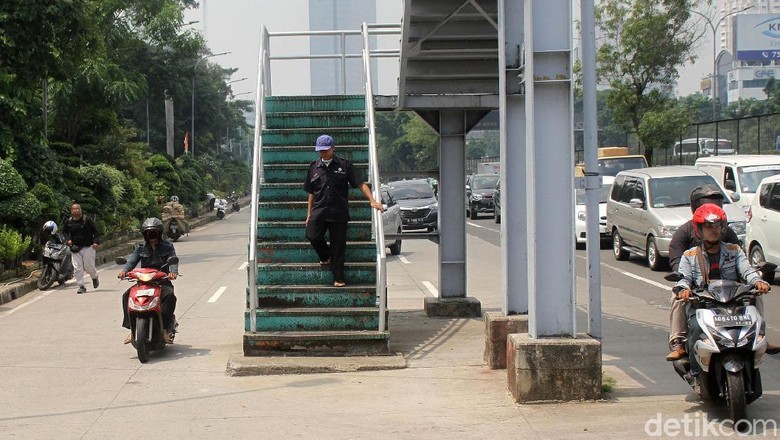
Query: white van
703	147
740	174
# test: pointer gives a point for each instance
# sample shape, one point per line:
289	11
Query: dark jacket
684	238
82	232
154	258
330	187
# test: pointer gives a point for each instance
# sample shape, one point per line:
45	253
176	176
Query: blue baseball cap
324	142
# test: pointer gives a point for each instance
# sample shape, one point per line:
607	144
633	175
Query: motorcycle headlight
667	231
747	338
476	197
739	228
582	216
145	277
720	339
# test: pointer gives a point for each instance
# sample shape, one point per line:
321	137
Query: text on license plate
732	320
415	220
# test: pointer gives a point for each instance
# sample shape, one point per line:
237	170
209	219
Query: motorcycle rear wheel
142	339
735	398
47	277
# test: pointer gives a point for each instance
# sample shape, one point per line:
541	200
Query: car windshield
603	194
409	192
610	167
750	177
484	182
666	192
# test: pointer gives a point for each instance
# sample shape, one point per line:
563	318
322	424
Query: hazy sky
234	25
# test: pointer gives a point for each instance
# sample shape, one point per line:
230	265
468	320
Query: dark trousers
336	251
168	307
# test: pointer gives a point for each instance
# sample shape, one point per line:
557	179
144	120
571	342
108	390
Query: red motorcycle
144	308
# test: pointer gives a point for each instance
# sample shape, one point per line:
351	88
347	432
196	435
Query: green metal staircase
298	311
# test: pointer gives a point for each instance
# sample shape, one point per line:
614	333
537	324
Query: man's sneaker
678	351
95	283
82	289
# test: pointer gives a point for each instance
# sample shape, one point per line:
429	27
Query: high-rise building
326	74
725	32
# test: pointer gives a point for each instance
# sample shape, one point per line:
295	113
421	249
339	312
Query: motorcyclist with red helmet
714	259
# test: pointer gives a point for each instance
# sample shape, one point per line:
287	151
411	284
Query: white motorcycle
220	205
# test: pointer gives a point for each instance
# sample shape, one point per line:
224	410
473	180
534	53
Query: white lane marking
431	288
482	227
217	294
636	277
243	266
23	305
403	259
644	376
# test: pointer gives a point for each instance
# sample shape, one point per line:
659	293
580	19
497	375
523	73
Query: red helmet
709	213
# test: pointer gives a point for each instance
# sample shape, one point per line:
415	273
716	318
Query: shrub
21	208
12	244
11	182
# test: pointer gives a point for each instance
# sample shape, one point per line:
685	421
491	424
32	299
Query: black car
419	207
479	194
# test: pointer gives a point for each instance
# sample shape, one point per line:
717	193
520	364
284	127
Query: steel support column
549	189
514	259
452	204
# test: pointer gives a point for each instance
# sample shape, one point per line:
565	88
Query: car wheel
756	255
474	214
654	260
497	216
617	246
395	249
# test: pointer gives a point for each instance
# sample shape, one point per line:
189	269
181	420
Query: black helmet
706	194
152	228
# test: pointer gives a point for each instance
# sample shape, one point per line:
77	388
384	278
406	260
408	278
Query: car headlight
667	231
739	228
434	207
476	197
582	216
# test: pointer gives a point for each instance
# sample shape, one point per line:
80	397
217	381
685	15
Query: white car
580	216
763	231
740	174
391	219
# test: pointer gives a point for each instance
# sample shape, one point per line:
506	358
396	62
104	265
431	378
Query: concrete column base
553	369
497	327
468	307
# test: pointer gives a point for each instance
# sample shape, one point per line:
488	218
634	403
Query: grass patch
608	384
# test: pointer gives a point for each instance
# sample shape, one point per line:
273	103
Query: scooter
234	206
57	264
144	308
173	231
220	205
726	344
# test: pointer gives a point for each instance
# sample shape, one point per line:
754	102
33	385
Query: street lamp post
192	109
714	29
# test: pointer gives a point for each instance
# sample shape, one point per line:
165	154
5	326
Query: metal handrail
257	174
377	225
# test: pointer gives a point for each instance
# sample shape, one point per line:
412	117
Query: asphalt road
67	375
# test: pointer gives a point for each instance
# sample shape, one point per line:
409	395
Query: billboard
757	37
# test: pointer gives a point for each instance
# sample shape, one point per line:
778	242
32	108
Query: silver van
646	206
740	174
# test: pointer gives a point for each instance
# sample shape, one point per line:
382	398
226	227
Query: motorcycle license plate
732	320
144	292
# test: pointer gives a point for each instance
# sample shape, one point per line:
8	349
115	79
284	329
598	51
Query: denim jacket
734	266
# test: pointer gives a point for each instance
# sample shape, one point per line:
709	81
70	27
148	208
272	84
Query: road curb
240	365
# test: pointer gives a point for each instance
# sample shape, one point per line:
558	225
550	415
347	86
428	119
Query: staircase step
276	104
293	192
359	210
302	252
320	119
290	173
296	231
315	296
305	154
308	136
313	274
315	319
355	343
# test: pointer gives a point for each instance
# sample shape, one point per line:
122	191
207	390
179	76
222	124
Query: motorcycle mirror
120	260
673	277
173	260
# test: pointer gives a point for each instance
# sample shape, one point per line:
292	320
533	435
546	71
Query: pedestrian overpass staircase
298	310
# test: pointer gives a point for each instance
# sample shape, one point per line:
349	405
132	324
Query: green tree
645	43
660	129
405	142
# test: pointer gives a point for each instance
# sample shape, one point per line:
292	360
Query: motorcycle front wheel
47	277
735	397
142	339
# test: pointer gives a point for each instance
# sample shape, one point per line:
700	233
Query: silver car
647	205
391	218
